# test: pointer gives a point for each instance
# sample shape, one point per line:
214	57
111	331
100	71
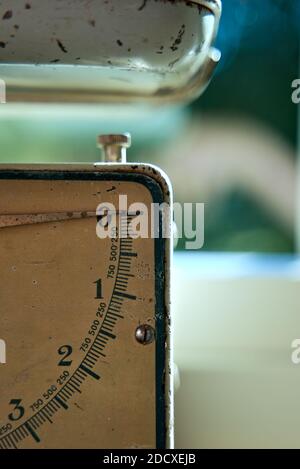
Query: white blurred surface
235	317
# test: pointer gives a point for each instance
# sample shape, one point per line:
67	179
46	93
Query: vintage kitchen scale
85	319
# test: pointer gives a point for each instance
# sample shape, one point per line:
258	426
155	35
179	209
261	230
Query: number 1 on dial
98	284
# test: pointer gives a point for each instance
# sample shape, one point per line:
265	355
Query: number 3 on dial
18	412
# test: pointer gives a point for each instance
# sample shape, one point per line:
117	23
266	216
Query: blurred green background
234	149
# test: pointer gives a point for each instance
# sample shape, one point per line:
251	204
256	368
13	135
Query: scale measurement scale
85	320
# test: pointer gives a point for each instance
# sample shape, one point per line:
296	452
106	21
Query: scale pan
107	51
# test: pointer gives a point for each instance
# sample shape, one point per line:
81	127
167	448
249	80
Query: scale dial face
75	374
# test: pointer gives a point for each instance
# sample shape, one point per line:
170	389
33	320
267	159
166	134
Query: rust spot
161	49
120	43
61	46
188	3
143	5
178	39
92	23
16	26
2	44
27	6
7	15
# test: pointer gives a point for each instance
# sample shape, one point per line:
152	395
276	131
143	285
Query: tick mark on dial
125	295
32	432
61	402
89	371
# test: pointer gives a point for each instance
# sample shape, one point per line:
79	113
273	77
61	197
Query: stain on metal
188	3
178	39
61	46
7	15
143	5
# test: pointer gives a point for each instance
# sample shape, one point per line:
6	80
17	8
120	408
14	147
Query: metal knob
114	147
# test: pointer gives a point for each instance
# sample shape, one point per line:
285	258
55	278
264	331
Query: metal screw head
114	147
145	334
123	140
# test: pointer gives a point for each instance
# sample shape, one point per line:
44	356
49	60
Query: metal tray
93	51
